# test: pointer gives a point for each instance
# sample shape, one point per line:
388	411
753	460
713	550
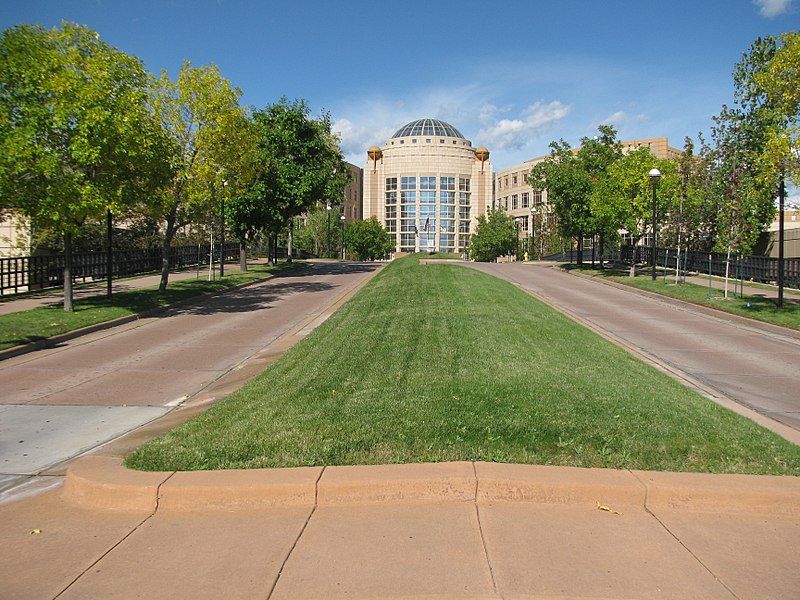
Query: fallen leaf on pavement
606	508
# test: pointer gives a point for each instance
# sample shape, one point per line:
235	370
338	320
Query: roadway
757	368
60	402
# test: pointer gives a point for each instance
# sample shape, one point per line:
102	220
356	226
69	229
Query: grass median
440	363
46	321
756	307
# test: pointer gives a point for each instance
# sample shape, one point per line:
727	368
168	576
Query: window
447	212
408	210
447	242
407	242
525	223
428	141
526	202
463	227
427	197
408	225
505	202
447	183
391	212
463	184
463	212
414	141
447	226
408	183
391	183
441	141
391	225
427	183
514	203
447	197
537	197
514	179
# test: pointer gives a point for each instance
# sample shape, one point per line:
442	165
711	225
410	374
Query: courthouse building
427	185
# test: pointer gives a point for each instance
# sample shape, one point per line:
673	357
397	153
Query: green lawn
755	307
442	362
30	325
440	255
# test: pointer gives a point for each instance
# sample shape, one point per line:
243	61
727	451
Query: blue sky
510	75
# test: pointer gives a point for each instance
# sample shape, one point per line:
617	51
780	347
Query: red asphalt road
157	361
757	369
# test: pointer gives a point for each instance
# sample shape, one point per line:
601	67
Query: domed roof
428	127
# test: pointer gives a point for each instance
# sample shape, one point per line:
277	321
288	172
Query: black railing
28	273
763	269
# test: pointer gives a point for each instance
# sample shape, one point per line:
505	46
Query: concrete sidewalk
449	530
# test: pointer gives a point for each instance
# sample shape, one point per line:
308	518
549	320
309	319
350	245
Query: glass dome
433	127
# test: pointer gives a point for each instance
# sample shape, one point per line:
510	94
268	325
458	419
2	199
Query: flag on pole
427	223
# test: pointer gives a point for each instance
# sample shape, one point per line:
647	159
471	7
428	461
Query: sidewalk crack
125	537
677	539
483	538
299	535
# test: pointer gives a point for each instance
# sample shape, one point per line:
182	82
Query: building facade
427	185
352	205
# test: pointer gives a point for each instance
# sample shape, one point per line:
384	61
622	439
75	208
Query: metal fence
27	273
763	269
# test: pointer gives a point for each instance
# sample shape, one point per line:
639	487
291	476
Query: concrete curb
718	313
52	341
103	483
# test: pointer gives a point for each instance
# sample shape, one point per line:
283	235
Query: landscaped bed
440	363
30	325
757	307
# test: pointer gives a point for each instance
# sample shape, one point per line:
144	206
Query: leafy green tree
570	177
300	163
624	198
76	133
495	235
321	233
213	150
368	240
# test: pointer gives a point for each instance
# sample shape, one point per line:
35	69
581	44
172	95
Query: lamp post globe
654	175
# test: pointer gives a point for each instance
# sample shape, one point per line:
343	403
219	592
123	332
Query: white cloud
355	139
772	8
620	117
516	133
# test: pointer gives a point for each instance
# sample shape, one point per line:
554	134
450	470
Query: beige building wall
427	179
15	235
352	205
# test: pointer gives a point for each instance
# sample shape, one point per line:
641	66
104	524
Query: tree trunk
580	249
68	305
602	250
166	254
242	256
727	270
289	241
593	249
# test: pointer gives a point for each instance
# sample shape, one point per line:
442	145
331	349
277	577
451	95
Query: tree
76	133
321	232
570	178
368	240
300	163
495	235
624	197
213	149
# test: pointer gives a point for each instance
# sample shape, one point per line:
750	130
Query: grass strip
752	306
433	363
37	323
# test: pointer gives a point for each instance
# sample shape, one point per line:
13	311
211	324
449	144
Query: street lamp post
533	229
341	221
328	208
655	175
516	230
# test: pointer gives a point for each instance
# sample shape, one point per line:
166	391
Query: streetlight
533	229
516	229
655	175
341	221
328	208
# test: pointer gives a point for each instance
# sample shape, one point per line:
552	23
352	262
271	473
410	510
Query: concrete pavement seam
679	375
299	535
677	539
125	537
483	537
